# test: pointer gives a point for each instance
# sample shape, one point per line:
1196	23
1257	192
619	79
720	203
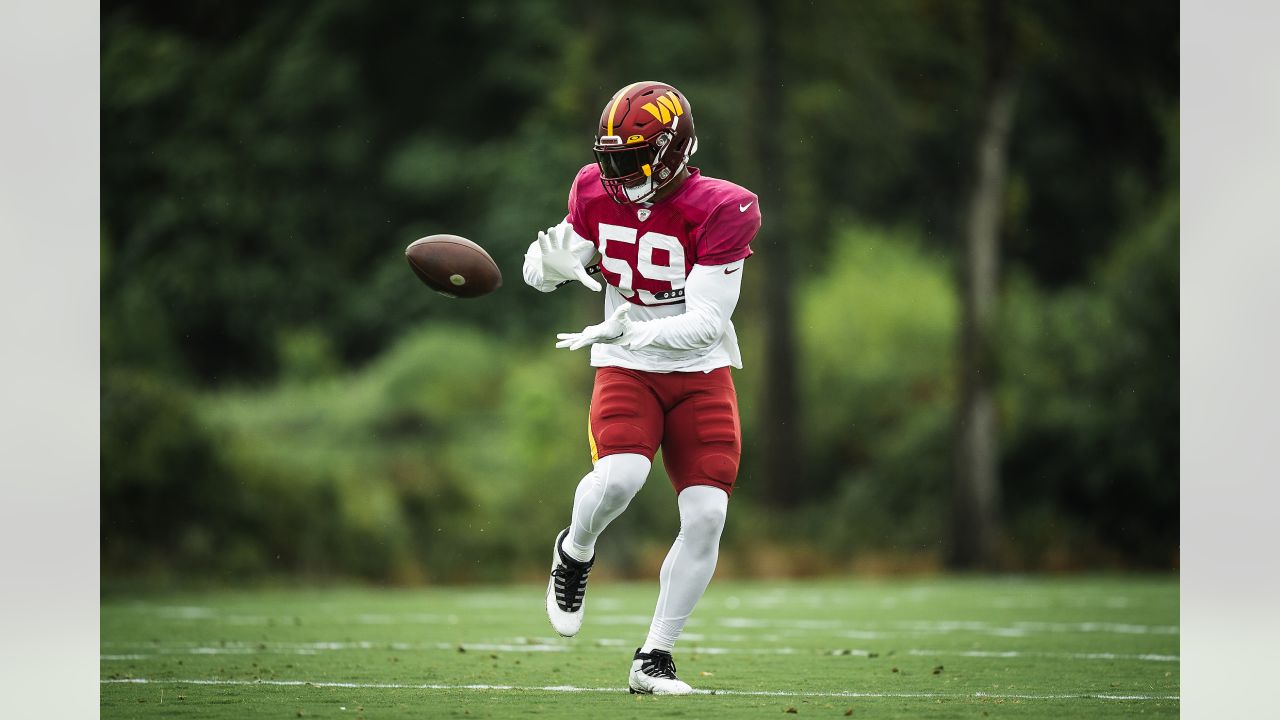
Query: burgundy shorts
692	415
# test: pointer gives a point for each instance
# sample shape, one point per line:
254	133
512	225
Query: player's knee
702	515
622	476
707	517
618	490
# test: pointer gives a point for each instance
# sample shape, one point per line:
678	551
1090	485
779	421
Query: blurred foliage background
280	395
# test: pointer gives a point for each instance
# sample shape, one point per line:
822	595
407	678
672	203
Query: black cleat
567	590
654	673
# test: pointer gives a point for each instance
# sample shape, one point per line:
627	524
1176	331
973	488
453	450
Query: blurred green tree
975	511
264	165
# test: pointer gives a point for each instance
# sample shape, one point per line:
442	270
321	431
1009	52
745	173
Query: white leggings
602	496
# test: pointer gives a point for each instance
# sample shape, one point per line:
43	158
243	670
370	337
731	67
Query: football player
672	243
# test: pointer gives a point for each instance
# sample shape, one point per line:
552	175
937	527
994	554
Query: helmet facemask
635	172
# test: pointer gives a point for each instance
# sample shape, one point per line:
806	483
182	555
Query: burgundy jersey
647	252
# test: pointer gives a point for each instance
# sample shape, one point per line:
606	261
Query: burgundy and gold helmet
644	140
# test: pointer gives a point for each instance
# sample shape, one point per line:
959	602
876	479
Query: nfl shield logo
643	214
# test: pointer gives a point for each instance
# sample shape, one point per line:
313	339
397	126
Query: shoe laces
659	664
570	580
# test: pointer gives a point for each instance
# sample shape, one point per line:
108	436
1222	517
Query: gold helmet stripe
617	99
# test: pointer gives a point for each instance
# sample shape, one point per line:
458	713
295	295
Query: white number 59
653	277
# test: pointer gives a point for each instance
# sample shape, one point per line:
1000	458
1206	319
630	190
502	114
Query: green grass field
934	648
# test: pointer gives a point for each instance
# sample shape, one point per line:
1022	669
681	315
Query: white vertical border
1230	434
49	154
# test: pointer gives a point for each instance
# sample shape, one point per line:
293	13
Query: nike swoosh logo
727	271
743	208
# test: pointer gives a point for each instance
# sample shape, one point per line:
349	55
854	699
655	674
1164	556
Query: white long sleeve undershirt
710	295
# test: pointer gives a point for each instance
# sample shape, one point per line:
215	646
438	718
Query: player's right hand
558	260
613	331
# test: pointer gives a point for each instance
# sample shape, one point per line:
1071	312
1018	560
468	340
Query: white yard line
316	648
312	648
1024	627
1149	657
574	689
1104	627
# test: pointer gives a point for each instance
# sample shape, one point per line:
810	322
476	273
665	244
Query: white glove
612	331
558	261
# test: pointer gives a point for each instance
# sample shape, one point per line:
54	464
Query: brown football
453	266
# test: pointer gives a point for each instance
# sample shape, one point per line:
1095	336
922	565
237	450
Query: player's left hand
611	331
